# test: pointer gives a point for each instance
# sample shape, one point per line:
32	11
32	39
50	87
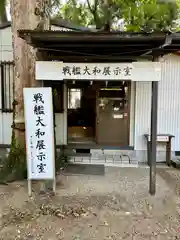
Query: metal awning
102	46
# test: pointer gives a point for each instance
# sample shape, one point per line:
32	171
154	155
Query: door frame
97	115
128	111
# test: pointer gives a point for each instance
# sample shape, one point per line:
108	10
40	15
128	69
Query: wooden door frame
129	85
97	115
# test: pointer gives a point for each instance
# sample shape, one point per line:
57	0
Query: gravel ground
114	206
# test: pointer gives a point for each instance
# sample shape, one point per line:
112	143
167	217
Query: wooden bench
161	138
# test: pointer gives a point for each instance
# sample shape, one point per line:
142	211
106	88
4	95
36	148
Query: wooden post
29	187
153	145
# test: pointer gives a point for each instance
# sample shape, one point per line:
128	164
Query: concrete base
176	163
118	157
87	169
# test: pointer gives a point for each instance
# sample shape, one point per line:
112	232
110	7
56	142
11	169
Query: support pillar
153	145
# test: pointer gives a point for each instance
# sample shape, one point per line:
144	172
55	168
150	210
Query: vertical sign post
39	135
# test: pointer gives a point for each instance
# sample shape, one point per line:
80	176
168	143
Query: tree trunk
23	17
107	26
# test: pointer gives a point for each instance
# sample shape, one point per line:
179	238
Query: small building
102	92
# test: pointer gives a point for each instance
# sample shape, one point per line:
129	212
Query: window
7	76
57	91
74	98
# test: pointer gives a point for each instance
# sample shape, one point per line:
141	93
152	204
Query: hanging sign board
89	71
136	71
39	133
95	71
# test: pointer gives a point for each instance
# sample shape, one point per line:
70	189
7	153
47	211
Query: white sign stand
29	187
39	125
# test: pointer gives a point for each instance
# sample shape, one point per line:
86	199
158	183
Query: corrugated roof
66	25
102	45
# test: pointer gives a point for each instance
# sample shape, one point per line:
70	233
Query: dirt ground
114	206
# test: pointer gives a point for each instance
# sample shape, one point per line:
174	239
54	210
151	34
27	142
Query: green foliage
2	6
149	15
13	167
62	160
77	12
3	14
138	15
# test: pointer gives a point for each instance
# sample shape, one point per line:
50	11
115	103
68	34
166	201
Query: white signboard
136	71
39	133
160	138
95	71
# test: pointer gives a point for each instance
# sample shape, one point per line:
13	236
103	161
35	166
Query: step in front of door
106	160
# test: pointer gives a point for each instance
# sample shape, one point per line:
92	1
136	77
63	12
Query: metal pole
154	109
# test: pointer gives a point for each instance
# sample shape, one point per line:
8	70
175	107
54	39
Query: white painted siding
61	123
6	128
6	54
168	104
169	100
132	114
6	51
142	113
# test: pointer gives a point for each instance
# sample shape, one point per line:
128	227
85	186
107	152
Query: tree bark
107	25
23	17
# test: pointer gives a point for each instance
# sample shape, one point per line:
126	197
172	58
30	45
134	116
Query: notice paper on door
118	116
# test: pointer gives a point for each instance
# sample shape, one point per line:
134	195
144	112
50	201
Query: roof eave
5	25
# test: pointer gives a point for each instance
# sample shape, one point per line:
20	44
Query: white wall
142	113
61	123
168	104
132	114
6	54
